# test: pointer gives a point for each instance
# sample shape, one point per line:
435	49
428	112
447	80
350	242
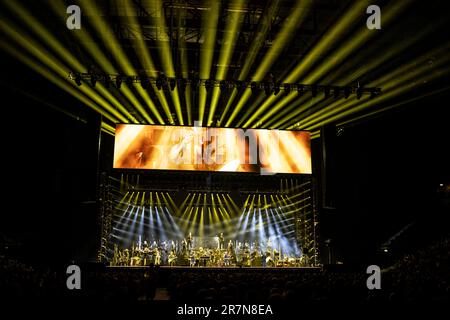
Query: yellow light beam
293	22
388	94
332	36
143	53
260	37
113	45
228	41
209	25
89	44
392	10
64	85
61	51
394	79
166	56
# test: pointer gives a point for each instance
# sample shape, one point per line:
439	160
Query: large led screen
158	147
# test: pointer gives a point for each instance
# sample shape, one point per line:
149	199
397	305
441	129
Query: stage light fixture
327	91
240	85
208	86
106	82
223	85
172	83
374	92
93	80
347	91
78	80
267	88
194	83
118	81
276	89
254	86
287	88
182	83
145	82
359	93
336	92
314	90
158	83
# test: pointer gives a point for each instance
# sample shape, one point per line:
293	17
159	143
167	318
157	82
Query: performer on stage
183	246
230	247
157	257
172	258
192	259
221	241
189	241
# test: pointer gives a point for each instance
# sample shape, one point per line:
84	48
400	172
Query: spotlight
336	92
374	92
194	83
287	89
358	93
223	85
267	88
208	85
78	79
327	91
93	80
182	83
106	82
347	91
276	89
161	81
253	86
172	83
145	82
240	85
314	90
118	81
158	83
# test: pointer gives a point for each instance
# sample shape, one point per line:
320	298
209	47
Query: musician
189	241
146	253
127	257
230	246
227	258
115	261
221	241
183	246
172	258
191	259
157	257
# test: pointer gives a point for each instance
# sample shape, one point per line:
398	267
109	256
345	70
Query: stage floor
188	268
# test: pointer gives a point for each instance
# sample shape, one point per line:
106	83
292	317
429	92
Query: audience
423	275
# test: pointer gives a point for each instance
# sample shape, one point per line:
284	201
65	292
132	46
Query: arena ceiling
314	42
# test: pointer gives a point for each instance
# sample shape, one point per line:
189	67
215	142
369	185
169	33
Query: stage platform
216	269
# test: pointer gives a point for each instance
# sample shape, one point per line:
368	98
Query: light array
345	54
169	84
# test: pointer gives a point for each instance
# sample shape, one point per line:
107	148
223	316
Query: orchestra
236	254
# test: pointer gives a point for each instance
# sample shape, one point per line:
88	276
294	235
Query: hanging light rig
168	83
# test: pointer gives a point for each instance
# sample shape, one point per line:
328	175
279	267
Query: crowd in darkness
420	276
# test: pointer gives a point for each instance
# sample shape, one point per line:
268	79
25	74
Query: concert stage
208	220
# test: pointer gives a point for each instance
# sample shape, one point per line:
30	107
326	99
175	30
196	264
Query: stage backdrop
211	149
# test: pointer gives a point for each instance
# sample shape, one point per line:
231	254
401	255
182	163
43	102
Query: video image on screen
157	147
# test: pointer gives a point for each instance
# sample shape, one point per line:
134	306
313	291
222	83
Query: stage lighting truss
166	83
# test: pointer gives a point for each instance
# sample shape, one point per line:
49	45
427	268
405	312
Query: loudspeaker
328	166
